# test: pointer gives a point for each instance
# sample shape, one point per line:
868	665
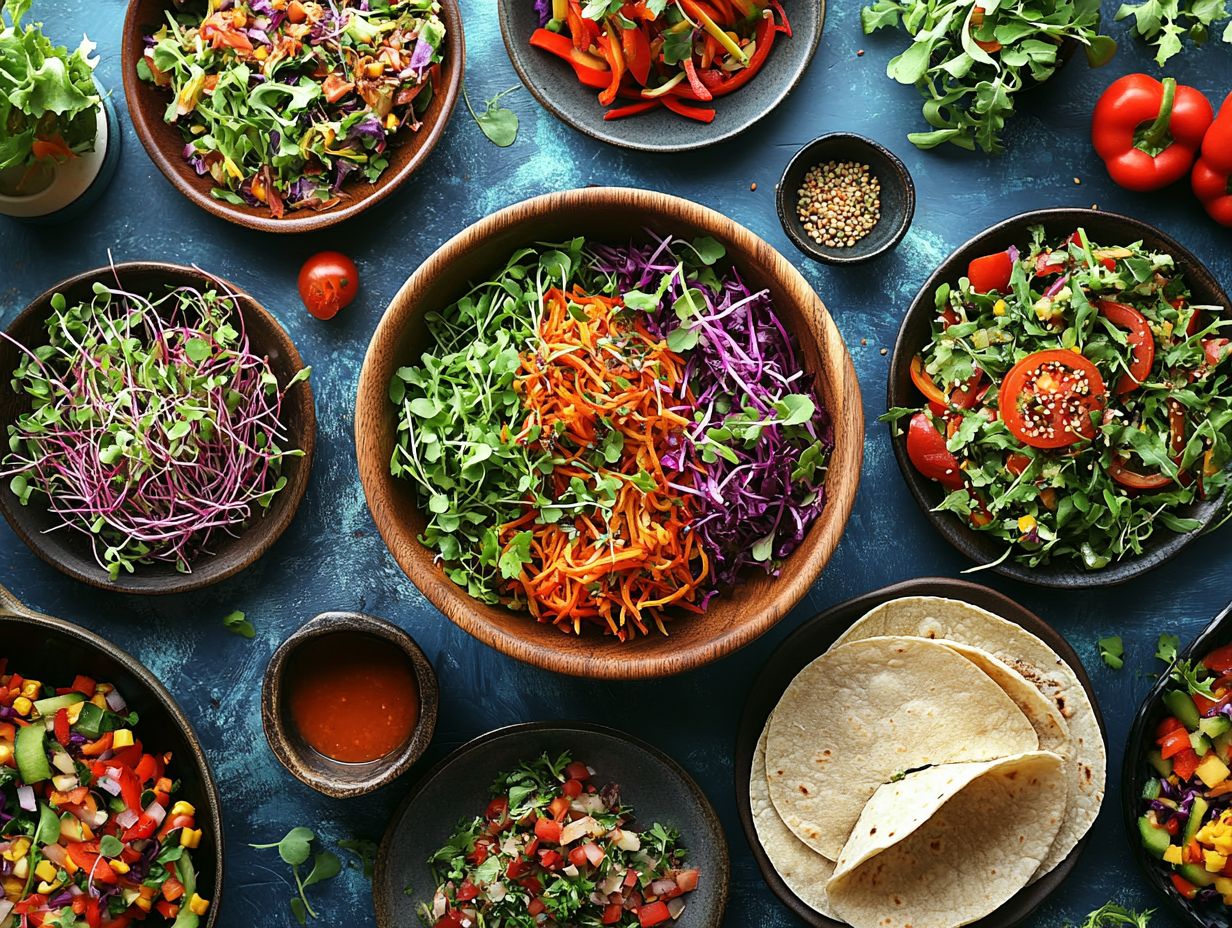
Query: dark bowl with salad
100	773
291	115
1176	797
1112	340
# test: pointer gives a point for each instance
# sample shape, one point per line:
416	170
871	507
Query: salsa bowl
737	615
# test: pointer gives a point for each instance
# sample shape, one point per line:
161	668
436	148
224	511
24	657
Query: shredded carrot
621	564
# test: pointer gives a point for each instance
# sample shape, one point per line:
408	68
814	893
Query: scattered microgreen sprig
295	848
237	623
1112	651
497	122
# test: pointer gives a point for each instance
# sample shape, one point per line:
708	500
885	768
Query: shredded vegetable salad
554	848
153	429
602	435
90	834
280	101
1077	400
675	54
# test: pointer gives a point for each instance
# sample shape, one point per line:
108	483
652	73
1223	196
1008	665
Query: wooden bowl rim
177	170
13	610
170	581
381	771
614	663
1059	574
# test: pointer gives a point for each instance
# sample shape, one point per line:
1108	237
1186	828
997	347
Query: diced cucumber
90	722
1150	789
1183	707
1200	743
1197	814
50	706
30	752
1199	876
1214	727
1155	839
1162	767
1223	745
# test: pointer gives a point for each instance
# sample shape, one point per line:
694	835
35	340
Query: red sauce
353	697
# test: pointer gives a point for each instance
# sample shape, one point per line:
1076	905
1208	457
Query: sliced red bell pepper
692	112
61	727
991	272
1219	660
632	109
585	31
561	47
719	86
690	72
1212	175
1148	132
636	48
616	60
1183	886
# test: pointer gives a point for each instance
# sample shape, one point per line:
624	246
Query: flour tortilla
803	870
939	618
867	711
946	846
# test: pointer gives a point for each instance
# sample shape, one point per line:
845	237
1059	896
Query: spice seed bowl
333	778
897	197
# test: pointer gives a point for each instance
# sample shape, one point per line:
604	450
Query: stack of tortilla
932	763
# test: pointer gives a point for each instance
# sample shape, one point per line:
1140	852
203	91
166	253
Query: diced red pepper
1185	764
1174	742
653	914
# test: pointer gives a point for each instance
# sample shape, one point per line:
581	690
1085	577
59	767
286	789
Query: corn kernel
190	837
183	808
143	903
46	870
122	738
1026	524
261	53
999	308
118	865
22	705
1213	861
197	905
391	121
31	689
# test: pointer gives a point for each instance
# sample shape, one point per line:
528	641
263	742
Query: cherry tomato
1047	398
328	281
1141	341
991	272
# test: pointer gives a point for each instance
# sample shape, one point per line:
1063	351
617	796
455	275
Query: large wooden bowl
70	551
737	616
147	105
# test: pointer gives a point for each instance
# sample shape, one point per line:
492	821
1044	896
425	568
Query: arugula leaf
1167	648
1112	650
498	123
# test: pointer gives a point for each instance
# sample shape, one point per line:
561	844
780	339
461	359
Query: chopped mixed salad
678	54
556	847
152	429
1077	400
280	101
602	434
1187	801
90	834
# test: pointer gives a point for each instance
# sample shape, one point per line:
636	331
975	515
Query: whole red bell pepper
1212	176
1149	132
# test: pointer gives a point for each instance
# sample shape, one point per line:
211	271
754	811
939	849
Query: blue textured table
332	557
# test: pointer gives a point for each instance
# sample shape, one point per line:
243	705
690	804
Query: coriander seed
839	203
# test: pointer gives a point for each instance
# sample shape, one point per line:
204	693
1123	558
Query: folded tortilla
939	618
946	846
868	711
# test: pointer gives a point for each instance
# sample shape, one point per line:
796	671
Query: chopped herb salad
1076	400
280	101
1186	820
91	835
602	435
556	848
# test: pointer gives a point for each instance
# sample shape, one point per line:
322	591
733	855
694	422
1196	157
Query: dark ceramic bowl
1134	774
897	196
55	651
333	778
69	551
165	144
814	638
657	788
1106	228
553	83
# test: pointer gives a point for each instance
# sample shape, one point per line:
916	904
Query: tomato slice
1141	342
991	272
1219	660
1133	480
1048	397
928	454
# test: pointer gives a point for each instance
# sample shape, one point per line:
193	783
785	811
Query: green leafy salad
555	847
1076	400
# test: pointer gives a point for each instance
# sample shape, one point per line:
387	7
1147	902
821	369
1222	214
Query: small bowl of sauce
349	703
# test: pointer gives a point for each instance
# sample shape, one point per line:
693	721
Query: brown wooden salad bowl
330	777
1107	229
69	551
164	142
738	614
36	643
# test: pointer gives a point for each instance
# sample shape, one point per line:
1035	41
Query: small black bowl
897	196
916	330
1134	775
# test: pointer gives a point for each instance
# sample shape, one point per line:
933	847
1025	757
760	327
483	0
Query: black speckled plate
652	783
813	639
553	84
983	548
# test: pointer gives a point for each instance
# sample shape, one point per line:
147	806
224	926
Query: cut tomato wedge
991	273
1047	399
929	455
1141	343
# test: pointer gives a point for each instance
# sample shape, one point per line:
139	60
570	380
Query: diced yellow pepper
46	870
190	837
74	712
1173	855
18	849
183	808
31	689
1214	861
197	905
122	738
99	700
118	865
1212	771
